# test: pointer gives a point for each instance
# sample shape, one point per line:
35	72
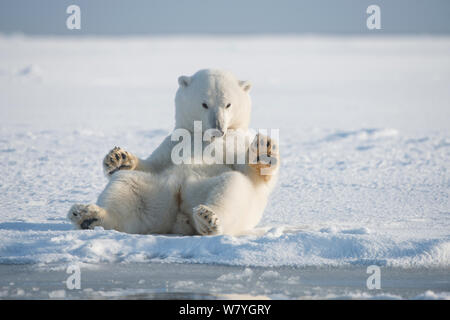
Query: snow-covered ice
364	140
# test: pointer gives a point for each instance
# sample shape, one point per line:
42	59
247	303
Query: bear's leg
86	216
138	202
223	204
182	226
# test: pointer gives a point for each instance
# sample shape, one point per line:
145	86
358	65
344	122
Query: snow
358	295
364	140
57	294
245	275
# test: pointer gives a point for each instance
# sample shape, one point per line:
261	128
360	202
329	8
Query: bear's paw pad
264	155
117	159
206	221
84	216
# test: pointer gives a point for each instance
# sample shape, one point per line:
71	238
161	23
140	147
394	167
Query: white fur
217	89
155	196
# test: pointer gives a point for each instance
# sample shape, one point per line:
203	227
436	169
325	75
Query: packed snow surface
364	132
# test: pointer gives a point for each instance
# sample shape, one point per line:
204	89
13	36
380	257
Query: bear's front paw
118	159
263	156
85	216
206	221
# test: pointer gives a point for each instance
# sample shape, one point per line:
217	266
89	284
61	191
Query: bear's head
214	97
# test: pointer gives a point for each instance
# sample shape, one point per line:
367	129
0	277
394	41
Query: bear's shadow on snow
28	226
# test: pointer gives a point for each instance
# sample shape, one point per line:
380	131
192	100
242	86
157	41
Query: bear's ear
184	81
245	85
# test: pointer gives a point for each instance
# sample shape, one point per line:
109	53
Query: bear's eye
228	105
204	105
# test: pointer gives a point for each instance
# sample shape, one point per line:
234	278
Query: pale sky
138	17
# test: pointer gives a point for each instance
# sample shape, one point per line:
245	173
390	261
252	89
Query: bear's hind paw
206	221
85	216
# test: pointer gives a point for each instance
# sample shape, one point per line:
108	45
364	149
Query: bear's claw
206	221
263	155
87	223
84	216
118	159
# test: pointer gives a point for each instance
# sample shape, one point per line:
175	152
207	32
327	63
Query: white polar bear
214	97
156	196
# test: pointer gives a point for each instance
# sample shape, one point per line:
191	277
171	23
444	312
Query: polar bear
185	199
215	97
156	196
